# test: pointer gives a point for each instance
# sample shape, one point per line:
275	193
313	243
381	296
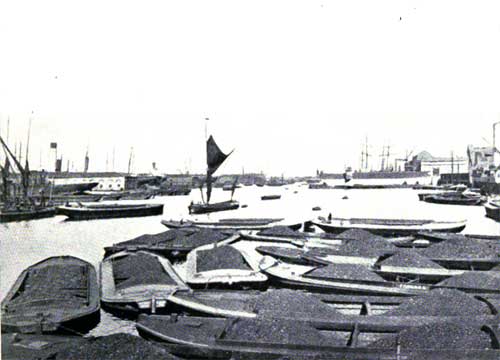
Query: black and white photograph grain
240	180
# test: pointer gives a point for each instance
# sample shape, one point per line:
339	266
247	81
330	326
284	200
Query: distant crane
405	159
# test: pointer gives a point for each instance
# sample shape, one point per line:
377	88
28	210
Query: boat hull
54	312
389	228
215	207
452	200
86	213
10	216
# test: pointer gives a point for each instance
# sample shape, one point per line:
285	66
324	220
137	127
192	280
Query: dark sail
215	157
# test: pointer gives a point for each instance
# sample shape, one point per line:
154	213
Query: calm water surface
25	243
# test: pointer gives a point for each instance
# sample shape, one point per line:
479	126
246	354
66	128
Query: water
25	243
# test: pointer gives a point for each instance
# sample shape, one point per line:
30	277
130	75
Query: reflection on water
25	243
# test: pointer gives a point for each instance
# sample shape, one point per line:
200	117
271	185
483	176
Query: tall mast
28	140
130	159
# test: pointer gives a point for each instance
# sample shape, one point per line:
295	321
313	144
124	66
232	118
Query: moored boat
235	223
222	265
26	213
107	211
438	305
173	244
456	199
215	158
58	294
389	227
270	197
200	208
138	282
271	338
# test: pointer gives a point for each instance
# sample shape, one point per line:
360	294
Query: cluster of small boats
261	288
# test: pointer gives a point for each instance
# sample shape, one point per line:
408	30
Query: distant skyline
292	86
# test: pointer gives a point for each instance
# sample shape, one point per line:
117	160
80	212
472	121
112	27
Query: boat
108	211
493	209
199	208
133	282
222	265
9	214
283	234
286	338
232	223
435	260
21	206
58	294
456	199
215	158
270	197
388	227
173	244
438	305
357	278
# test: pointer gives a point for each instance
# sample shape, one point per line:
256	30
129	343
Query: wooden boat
458	199
270	197
271	338
493	210
23	207
173	244
24	213
200	208
215	158
388	227
284	234
361	280
439	305
357	278
222	265
235	224
138	282
107	211
58	294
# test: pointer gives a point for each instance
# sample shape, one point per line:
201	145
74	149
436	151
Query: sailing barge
215	158
24	207
58	294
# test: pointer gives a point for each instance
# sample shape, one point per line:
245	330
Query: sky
291	86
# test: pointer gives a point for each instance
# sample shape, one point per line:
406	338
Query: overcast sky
292	86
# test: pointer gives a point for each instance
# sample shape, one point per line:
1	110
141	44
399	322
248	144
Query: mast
130	159
209	177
